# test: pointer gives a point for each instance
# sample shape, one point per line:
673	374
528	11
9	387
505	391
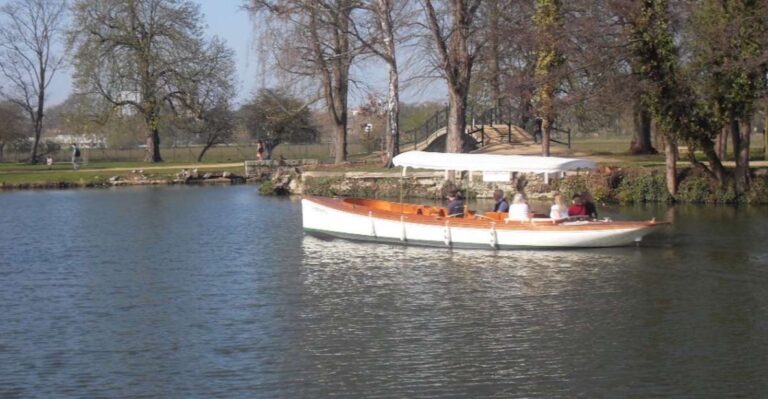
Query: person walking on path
75	156
260	150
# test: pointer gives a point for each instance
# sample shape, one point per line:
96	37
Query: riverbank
609	184
639	182
111	174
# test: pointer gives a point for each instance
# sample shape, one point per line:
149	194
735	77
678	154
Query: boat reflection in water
461	322
512	272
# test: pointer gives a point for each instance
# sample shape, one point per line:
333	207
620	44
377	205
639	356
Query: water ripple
215	292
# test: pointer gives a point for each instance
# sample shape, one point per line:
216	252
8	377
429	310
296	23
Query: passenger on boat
519	209
455	204
559	210
501	202
589	203
577	207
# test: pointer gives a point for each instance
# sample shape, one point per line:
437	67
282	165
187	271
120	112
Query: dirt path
169	167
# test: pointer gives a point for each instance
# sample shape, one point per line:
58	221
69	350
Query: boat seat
495	215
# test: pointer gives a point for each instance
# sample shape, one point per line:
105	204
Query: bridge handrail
497	115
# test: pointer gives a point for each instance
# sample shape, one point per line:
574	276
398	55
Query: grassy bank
14	175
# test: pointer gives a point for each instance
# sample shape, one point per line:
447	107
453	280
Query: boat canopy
490	162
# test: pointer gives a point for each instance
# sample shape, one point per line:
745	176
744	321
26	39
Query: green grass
97	172
218	154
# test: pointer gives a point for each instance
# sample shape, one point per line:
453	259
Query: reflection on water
216	292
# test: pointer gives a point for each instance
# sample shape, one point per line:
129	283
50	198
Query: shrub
643	187
758	193
598	185
695	188
267	188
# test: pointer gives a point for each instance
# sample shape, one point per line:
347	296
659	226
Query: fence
229	153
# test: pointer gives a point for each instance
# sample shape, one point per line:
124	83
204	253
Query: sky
227	20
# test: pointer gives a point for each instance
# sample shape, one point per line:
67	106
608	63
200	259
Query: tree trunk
548	26
340	142
493	53
2	151
742	156
546	128
153	147
38	133
642	124
546	93
733	127
671	155
392	132
339	114
715	165
722	144
765	133
456	62
203	151
457	123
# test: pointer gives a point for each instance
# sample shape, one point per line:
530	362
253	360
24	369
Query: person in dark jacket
501	203
455	204
589	204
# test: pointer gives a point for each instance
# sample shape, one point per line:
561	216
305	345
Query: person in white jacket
559	210
519	209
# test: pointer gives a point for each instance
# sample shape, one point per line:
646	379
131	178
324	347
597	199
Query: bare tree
138	54
548	21
29	30
318	44
389	26
207	112
457	48
277	117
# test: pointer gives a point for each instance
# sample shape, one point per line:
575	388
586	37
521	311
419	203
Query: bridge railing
413	137
560	136
477	122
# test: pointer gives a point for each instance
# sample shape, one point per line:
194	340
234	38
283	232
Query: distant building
82	140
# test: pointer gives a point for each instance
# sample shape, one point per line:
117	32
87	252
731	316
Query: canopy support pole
402	178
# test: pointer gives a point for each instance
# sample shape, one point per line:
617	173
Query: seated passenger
559	210
577	207
519	209
589	203
501	202
455	204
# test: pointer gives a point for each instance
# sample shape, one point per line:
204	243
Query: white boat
412	224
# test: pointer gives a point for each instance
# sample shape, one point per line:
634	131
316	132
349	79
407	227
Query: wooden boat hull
403	224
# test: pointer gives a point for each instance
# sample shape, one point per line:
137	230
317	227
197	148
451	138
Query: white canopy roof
490	163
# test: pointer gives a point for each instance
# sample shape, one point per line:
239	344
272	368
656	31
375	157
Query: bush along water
641	186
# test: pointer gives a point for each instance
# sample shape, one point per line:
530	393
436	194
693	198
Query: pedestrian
49	162
260	150
75	156
537	129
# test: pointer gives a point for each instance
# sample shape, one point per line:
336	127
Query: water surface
181	292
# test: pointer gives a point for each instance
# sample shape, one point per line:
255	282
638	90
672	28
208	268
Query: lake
179	292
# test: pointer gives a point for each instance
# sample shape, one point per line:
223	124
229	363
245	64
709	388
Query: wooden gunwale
348	205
